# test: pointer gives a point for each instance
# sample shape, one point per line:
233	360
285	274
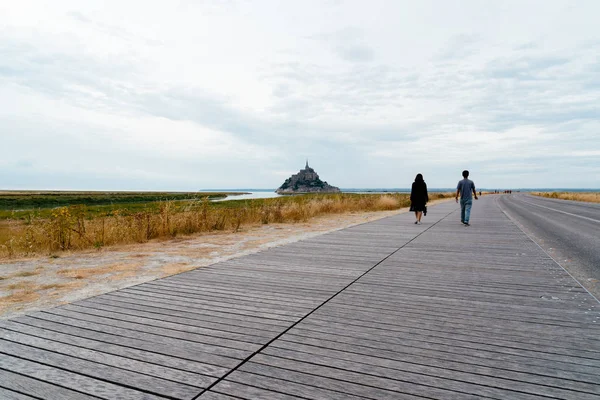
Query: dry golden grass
386	203
71	229
590	197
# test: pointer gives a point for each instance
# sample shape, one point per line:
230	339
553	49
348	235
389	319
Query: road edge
514	221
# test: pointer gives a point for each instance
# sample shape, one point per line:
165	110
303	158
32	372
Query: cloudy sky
188	95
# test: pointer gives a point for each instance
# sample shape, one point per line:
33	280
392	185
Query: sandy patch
37	284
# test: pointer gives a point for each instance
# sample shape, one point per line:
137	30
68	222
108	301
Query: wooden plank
217	396
117	376
392	364
143	336
165	323
246	383
192	295
135	325
111	360
234	298
518	332
349	384
250	392
383	304
204	361
381	376
492	284
120	349
296	286
573	314
252	291
299	279
173	299
185	312
441	353
442	295
51	383
242	292
462	336
6	394
177	317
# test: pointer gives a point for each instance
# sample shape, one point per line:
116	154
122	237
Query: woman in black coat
418	197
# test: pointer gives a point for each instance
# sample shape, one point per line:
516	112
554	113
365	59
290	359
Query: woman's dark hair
419	178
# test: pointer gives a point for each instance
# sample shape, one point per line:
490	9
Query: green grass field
21	204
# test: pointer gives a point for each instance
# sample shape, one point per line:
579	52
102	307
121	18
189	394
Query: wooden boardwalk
384	310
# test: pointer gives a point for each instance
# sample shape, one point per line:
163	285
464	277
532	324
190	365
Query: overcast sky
188	95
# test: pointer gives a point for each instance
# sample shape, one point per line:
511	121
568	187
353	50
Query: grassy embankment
48	231
590	197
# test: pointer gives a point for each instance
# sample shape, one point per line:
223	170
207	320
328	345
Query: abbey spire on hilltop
306	181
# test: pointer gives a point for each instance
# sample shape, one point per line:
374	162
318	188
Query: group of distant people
465	189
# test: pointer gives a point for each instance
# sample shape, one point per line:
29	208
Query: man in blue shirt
465	188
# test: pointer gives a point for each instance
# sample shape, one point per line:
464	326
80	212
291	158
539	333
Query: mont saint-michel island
306	181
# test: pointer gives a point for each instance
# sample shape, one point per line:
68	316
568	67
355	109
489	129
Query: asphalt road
568	230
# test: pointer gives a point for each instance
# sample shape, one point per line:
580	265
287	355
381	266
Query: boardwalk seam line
247	359
541	248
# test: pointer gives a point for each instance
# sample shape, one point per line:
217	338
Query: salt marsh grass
72	228
590	197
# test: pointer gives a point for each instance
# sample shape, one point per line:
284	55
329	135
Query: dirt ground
37	284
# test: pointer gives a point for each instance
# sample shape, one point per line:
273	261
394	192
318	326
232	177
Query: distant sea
269	193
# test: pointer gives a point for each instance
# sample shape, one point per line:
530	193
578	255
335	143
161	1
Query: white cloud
227	94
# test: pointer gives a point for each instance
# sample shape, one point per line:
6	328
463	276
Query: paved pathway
384	310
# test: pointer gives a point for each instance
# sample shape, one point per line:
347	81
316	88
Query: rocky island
306	181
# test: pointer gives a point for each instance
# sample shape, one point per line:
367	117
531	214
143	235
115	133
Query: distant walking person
418	198
465	188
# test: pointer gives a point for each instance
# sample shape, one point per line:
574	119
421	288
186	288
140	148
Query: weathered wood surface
384	310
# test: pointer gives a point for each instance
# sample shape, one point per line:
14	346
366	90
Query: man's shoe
467	224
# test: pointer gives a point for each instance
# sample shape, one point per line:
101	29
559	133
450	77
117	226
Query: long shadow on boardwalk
382	310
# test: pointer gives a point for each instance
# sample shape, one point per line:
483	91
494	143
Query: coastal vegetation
16	204
590	197
49	231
